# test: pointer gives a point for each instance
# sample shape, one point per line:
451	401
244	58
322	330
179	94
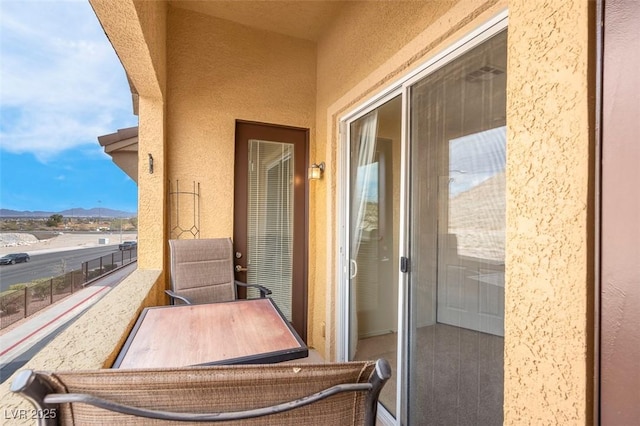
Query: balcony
95	338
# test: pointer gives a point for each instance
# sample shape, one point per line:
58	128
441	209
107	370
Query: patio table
252	331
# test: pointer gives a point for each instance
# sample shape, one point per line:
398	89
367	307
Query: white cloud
61	83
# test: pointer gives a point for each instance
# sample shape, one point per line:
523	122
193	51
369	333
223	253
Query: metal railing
21	303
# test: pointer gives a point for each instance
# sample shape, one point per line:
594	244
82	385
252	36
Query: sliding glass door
374	145
424	250
457	239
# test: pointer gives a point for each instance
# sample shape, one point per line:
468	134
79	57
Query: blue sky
61	86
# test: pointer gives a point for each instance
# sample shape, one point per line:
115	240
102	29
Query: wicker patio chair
274	394
202	271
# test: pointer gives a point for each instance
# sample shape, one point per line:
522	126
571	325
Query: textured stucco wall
93	340
152	16
547	299
152	193
136	31
220	71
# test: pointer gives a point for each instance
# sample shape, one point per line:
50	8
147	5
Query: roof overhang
122	146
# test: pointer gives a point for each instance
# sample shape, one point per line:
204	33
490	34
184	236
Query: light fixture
150	164
316	170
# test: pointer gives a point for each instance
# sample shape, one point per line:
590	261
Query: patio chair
273	394
202	271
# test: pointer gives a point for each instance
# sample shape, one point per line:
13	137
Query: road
47	265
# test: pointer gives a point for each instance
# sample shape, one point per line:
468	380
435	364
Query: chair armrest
39	388
67	398
263	290
175	296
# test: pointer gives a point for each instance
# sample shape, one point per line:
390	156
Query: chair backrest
273	394
202	270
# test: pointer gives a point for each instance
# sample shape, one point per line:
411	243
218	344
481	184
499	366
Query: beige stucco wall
549	312
137	31
152	192
220	71
152	18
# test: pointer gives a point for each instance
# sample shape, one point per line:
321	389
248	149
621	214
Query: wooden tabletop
242	331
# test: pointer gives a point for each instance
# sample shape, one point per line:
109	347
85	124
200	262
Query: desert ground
12	242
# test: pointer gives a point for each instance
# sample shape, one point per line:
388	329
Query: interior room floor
456	379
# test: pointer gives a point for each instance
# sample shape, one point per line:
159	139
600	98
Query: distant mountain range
79	212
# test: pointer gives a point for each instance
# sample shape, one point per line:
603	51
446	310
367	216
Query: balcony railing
23	302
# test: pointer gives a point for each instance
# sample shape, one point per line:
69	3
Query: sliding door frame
400	87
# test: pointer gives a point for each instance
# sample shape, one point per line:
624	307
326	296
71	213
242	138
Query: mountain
477	217
79	212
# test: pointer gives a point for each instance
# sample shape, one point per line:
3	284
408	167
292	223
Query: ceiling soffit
305	19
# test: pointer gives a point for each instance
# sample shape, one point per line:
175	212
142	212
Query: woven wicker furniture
202	271
274	394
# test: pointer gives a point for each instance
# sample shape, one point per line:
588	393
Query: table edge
301	351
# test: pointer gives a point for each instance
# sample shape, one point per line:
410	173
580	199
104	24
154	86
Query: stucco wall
136	29
152	16
220	71
152	193
549	315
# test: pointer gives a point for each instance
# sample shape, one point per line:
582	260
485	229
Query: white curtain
363	148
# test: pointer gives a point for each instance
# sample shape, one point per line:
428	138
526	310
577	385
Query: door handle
241	269
353	269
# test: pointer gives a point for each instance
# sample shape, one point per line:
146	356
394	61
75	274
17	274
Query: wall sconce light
150	164
316	170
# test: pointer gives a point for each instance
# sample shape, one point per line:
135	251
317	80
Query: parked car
128	245
13	258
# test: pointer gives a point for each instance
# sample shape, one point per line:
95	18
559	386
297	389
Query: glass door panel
457	234
270	220
374	195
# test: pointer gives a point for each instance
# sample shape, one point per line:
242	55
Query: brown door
620	243
270	214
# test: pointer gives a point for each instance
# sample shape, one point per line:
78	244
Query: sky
476	158
61	86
